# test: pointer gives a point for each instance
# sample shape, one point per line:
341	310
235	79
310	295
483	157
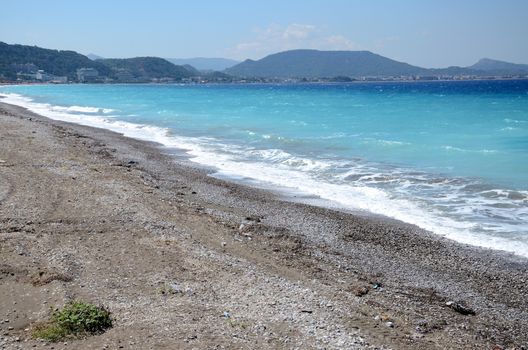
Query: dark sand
89	214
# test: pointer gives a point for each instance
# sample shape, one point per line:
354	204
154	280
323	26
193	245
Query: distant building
41	75
59	80
85	75
123	75
46	77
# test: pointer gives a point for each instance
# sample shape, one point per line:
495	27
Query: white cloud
276	38
298	31
339	42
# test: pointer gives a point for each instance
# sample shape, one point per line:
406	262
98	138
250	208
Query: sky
427	33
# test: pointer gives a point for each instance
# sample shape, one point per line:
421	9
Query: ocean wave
388	143
462	150
83	109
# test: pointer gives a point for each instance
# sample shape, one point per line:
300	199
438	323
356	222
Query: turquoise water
451	157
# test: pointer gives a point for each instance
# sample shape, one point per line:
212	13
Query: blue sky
425	33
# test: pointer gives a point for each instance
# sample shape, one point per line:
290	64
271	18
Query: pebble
389	324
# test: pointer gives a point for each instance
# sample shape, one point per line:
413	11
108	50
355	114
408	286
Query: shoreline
184	150
291	272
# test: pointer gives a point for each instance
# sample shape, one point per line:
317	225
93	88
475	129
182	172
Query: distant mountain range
499	67
15	58
327	64
145	68
318	64
204	63
94	57
31	63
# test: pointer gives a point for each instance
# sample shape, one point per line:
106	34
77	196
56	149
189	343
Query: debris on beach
460	308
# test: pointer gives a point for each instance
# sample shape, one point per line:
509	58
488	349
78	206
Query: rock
359	291
226	314
389	324
460	308
377	285
175	288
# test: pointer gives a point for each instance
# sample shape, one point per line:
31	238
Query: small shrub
75	319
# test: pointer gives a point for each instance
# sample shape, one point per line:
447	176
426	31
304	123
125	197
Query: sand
187	261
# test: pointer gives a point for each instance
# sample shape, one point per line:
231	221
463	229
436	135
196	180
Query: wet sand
184	260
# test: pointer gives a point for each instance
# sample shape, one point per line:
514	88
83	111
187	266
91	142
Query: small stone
359	291
10	328
460	308
389	324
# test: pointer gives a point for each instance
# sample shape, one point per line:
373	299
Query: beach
184	260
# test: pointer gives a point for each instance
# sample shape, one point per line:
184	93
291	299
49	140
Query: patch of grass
76	319
49	331
237	324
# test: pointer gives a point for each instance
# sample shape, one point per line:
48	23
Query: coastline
288	274
359	199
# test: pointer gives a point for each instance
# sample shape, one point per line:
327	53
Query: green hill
146	68
321	64
61	63
499	67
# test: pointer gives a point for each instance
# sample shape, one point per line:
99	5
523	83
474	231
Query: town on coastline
30	64
30	73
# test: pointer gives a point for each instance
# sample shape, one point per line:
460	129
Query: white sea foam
458	149
82	109
276	167
388	143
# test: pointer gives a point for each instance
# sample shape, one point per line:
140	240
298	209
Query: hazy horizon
430	35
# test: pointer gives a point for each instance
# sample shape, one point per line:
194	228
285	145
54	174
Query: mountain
319	64
500	67
144	68
193	71
203	63
60	63
94	57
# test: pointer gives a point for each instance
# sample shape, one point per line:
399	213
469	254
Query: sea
450	157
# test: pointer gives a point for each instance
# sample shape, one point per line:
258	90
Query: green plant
49	331
74	319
